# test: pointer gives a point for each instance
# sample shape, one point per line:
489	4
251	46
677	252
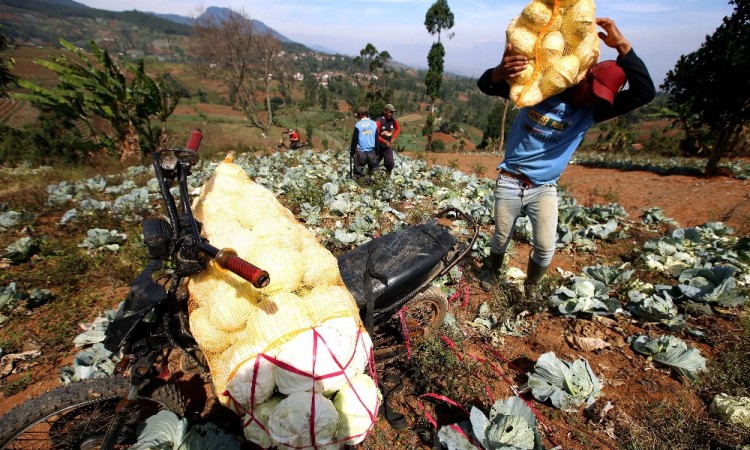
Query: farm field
631	384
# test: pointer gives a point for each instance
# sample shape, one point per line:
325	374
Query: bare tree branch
244	60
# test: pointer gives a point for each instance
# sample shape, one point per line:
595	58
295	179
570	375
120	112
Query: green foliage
709	87
376	63
438	146
438	18
429	123
52	140
92	87
433	80
616	137
6	64
494	128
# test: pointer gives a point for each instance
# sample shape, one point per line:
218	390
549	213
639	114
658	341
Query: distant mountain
321	49
69	3
220	14
182	20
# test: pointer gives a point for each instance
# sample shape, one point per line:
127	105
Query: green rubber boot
492	272
534	274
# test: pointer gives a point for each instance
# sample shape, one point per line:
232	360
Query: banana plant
93	88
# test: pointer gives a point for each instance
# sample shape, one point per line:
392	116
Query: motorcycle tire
425	313
76	416
422	315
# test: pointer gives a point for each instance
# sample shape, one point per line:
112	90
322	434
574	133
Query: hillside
131	32
135	33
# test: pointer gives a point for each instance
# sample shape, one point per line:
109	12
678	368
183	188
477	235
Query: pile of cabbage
291	358
315	391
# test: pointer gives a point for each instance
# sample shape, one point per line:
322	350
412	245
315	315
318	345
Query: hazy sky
659	30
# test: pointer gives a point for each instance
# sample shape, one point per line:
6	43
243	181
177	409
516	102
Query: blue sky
659	30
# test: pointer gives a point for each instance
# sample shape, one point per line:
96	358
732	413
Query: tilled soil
631	383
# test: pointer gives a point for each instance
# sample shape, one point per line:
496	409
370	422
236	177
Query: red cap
609	78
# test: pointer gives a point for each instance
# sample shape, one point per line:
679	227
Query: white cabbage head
357	403
326	352
240	387
256	429
293	424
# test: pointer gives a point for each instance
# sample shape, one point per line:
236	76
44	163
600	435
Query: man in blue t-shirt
362	148
542	141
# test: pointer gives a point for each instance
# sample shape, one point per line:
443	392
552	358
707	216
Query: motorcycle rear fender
144	295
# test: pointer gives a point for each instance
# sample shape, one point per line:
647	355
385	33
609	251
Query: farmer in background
363	145
388	129
293	139
542	141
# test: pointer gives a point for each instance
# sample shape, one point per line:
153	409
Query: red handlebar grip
195	140
258	277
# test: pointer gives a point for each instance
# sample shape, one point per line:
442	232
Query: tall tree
92	87
245	60
376	63
710	88
438	18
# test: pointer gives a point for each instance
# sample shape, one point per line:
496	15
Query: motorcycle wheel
425	313
422	315
76	416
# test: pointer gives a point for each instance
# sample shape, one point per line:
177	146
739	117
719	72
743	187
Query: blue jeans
539	204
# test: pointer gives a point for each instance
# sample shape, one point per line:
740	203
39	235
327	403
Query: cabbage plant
658	307
21	250
584	295
566	384
511	425
609	275
10	295
99	238
166	431
656	215
712	285
672	352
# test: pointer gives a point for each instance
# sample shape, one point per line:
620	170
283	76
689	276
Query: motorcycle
390	278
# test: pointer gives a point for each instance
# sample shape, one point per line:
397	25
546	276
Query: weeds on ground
729	371
677	425
609	196
446	370
478	169
310	192
669	426
17	384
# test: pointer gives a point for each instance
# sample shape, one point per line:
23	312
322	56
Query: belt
525	182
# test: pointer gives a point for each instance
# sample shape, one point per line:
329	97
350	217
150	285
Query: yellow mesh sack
230	319
559	37
295	348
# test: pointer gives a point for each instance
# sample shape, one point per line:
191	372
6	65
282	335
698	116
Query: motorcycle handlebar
176	165
195	140
228	259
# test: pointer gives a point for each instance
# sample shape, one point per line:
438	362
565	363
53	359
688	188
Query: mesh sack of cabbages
561	42
293	358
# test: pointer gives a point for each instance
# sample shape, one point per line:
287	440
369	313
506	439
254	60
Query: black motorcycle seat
398	262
